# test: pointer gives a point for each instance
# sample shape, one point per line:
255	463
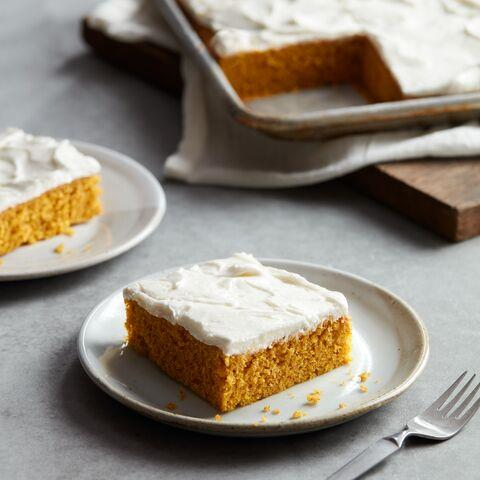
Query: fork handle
370	457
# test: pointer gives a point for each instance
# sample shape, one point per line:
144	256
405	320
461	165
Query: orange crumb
314	397
364	376
264	419
275	411
181	394
363	388
171	406
70	231
342	405
218	417
1	261
59	248
297	414
266	408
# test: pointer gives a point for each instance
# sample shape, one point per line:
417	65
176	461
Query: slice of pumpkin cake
235	331
46	186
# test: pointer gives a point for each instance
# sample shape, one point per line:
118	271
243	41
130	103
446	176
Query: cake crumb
342	405
342	384
181	394
314	397
297	414
291	395
70	231
87	247
363	388
171	406
377	380
275	411
266	408
264	419
1	261
218	417
364	376
59	248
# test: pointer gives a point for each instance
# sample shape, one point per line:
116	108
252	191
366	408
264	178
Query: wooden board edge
468	223
157	65
413	203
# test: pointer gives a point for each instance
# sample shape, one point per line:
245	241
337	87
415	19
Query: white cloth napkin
216	150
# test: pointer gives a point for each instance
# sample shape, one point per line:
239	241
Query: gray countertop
54	423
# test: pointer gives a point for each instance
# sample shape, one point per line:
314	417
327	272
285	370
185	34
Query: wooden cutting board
440	194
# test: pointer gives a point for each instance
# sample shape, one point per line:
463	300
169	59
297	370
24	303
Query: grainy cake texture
230	381
352	60
49	214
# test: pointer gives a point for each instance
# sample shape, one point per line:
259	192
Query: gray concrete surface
54	423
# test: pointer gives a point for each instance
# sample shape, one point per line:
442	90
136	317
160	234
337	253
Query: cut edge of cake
231	381
305	65
50	214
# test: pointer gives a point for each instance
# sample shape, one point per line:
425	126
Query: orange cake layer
49	214
311	65
230	381
352	60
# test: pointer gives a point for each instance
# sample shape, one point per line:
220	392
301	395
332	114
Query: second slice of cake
235	331
46	186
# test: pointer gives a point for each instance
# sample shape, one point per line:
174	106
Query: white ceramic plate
133	206
389	340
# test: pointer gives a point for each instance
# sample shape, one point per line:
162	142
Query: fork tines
441	407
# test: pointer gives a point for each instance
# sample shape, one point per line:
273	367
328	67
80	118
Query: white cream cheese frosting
237	304
132	21
431	46
30	166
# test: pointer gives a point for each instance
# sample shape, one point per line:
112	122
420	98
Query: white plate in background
389	340
133	204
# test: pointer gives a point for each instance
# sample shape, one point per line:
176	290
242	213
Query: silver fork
435	423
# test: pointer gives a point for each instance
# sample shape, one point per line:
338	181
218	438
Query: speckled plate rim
302	425
110	156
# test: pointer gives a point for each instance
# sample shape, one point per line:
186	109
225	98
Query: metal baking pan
324	123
